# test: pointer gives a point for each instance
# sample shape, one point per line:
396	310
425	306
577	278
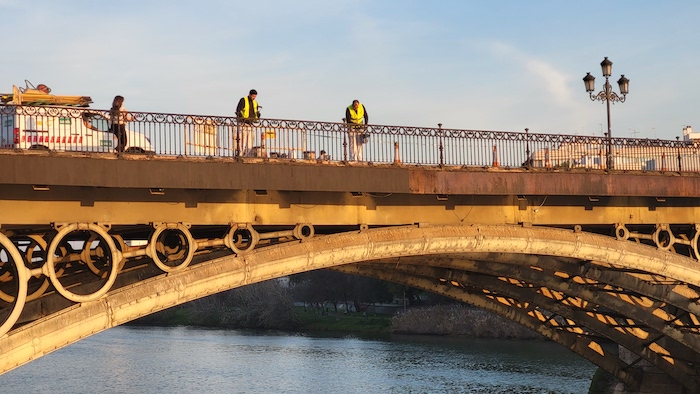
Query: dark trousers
120	131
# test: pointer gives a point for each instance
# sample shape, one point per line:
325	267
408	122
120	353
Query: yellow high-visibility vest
246	109
356	116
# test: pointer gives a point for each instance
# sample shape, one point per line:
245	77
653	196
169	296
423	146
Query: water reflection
189	360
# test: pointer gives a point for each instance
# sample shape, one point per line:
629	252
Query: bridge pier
652	380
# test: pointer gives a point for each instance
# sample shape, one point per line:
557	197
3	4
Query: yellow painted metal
279	209
521	313
50	270
17	299
422	278
145	297
66	196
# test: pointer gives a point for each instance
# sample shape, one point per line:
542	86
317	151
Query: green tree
266	304
317	288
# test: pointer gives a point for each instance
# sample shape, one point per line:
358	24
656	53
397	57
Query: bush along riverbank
452	319
456	319
270	305
265	305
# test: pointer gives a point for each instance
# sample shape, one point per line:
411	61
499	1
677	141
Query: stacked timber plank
37	97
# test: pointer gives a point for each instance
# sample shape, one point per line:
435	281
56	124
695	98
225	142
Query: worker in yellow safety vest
247	111
357	119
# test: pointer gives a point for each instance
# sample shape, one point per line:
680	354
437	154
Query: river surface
191	360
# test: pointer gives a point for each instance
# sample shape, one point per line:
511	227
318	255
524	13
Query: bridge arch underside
582	290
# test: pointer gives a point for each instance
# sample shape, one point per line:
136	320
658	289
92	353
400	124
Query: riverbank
442	320
357	322
458	320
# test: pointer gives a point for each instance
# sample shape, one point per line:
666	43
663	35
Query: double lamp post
608	96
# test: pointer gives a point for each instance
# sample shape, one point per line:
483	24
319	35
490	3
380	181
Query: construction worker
247	111
357	119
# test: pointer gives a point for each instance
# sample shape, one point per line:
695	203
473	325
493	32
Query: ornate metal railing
81	129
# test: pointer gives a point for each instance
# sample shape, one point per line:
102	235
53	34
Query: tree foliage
266	304
324	287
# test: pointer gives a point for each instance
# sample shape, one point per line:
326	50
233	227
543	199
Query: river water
191	360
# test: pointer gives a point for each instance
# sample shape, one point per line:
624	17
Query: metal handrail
223	136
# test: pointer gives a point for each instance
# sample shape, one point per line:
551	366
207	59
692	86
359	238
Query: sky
501	65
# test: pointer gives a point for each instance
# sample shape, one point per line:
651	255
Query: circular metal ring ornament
303	231
694	242
242	240
111	256
95	258
621	232
11	262
34	258
664	243
122	246
172	247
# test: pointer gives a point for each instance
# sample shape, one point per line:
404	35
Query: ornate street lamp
607	95
528	160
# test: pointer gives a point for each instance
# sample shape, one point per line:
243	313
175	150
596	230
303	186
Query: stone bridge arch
575	288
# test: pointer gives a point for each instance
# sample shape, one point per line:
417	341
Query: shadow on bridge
583	290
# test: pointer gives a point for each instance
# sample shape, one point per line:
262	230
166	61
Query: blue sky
487	65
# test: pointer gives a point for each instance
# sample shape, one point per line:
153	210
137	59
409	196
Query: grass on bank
355	322
455	319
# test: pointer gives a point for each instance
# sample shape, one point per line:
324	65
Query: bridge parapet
183	135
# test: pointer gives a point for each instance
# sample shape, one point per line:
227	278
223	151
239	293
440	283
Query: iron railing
81	129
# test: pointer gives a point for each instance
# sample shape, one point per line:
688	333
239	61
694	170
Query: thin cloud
556	82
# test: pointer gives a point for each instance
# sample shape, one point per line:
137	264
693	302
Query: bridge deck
142	171
41	188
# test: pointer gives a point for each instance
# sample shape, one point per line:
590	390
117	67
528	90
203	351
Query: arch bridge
586	257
